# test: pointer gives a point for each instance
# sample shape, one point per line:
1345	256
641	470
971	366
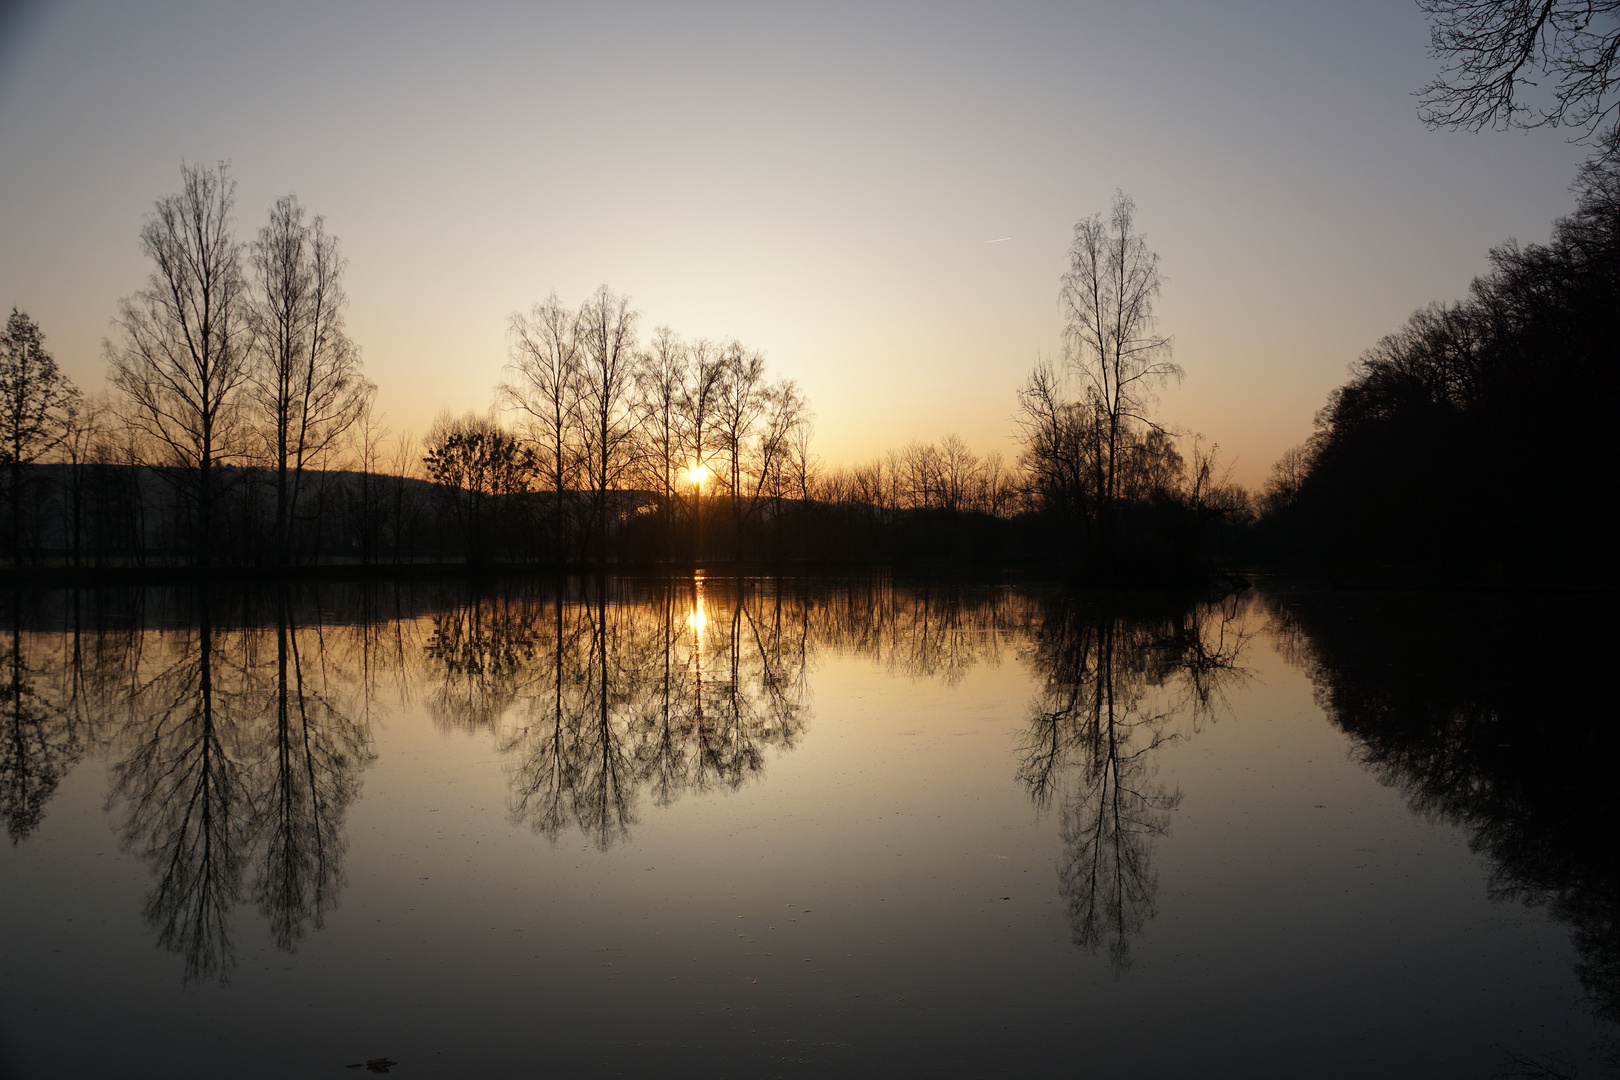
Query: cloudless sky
819	181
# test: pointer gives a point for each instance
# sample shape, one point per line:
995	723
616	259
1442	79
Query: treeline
233	384
240	430
1475	441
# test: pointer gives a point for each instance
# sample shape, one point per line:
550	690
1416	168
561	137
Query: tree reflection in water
1486	712
40	730
600	690
235	754
239	741
184	792
1118	685
309	782
673	687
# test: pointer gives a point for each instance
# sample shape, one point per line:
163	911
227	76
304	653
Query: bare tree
740	399
544	385
367	497
1060	460
754	425
122	454
1216	501
918	468
186	338
958	470
804	470
404	502
700	397
1287	478
307	386
998	491
36	400
660	386
1493	50
785	413
1110	341
86	426
608	361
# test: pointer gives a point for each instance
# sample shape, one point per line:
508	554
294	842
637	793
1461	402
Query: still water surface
760	828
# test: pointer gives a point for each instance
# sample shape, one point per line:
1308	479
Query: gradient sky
817	180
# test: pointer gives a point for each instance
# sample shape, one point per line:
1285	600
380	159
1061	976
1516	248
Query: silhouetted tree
84	453
477	467
36	401
740	399
1494	50
366	497
1109	341
544	385
661	381
1287	477
306	386
753	427
1062	457
608	353
187	341
700	399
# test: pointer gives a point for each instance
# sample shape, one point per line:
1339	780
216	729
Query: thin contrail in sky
998	241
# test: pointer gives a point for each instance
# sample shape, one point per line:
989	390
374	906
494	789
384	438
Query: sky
819	181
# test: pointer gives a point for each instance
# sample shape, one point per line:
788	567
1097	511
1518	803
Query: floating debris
376	1065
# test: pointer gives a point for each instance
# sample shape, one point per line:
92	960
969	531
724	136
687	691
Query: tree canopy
1525	63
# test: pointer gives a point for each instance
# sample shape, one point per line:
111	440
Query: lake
760	827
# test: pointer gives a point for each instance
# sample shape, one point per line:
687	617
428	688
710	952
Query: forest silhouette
1467	445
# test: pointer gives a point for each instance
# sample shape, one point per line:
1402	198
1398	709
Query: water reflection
603	690
1484	711
239	726
41	731
235	755
318	751
1118	684
183	792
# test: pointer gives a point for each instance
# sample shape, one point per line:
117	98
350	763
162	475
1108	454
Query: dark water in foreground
752	829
